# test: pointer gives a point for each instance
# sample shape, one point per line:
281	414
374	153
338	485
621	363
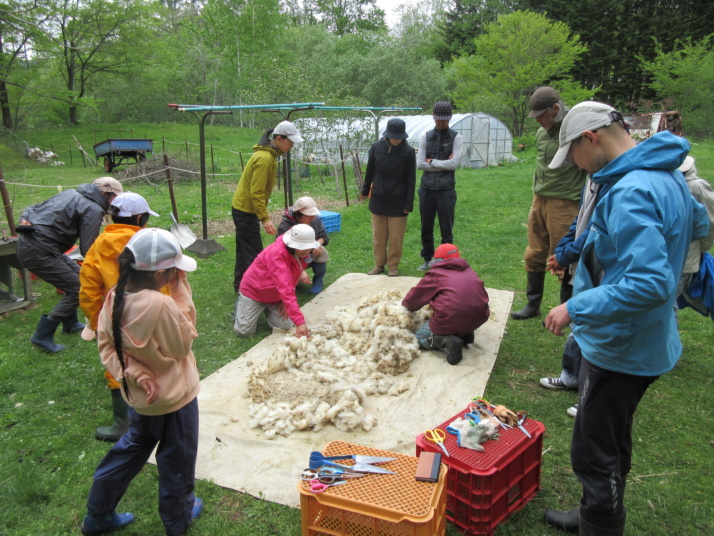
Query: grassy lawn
51	404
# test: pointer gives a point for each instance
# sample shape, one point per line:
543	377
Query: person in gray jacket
46	231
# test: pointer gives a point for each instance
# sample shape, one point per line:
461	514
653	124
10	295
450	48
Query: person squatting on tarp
389	183
250	200
99	274
556	198
305	211
438	155
458	298
621	311
145	340
269	284
46	231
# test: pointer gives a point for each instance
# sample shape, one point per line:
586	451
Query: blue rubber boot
72	324
44	336
319	269
102	524
196	510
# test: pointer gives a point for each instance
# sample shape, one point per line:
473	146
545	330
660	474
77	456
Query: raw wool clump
354	354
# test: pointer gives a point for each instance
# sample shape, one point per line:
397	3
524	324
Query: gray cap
542	99
156	249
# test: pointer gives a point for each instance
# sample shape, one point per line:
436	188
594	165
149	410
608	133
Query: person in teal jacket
622	305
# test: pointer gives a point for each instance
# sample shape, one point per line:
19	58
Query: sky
390	6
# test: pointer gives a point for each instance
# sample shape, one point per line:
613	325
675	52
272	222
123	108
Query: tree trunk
5	106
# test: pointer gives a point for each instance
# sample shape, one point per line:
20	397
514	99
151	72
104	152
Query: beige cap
307	206
108	184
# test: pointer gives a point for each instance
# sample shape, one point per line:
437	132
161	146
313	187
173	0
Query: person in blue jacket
621	312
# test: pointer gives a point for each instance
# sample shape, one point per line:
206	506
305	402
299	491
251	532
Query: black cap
396	129
542	99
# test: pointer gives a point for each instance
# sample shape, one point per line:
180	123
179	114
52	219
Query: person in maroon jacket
458	298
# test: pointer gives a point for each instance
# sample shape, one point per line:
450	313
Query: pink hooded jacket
158	331
272	278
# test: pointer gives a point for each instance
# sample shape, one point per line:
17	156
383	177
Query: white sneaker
572	411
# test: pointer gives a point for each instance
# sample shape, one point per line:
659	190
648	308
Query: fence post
344	176
242	166
213	164
163	145
187	150
71	163
6	203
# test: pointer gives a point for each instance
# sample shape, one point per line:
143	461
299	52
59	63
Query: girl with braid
145	342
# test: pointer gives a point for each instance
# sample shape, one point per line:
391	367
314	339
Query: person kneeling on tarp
269	283
458	298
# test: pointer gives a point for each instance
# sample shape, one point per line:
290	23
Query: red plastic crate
483	489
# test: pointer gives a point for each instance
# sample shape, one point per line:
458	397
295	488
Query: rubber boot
44	337
452	344
569	521
102	524
468	338
319	270
120	426
534	293
72	324
597	524
566	292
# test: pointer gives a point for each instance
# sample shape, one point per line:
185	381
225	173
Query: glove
505	415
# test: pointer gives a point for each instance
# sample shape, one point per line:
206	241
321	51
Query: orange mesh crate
376	505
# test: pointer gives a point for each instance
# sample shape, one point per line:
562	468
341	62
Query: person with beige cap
250	200
305	211
46	232
99	274
556	200
624	290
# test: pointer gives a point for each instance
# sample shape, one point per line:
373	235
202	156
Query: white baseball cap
307	206
286	128
687	164
301	236
588	115
131	204
156	249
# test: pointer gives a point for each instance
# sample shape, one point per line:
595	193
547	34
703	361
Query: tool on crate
318	487
522	416
363	464
484	406
328	475
506	415
437	436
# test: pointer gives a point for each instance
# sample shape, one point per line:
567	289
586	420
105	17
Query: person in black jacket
389	183
48	230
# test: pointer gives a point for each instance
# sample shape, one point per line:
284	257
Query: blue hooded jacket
622	305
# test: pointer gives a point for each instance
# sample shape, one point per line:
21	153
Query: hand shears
522	416
437	436
328	475
486	408
318	487
362	463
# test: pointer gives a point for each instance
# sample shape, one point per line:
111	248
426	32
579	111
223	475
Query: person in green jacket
250	200
556	200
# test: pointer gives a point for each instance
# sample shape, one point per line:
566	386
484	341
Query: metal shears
437	436
328	475
522	416
362	463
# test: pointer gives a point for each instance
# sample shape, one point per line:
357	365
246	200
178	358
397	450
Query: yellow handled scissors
437	436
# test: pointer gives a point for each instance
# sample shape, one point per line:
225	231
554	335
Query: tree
516	54
349	16
686	76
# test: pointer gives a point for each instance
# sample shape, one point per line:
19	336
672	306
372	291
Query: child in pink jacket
145	340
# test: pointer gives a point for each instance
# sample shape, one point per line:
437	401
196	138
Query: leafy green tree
686	77
348	16
515	55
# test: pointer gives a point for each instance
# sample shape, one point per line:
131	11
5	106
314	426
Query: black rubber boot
319	269
44	337
566	292
452	344
534	293
569	521
120	426
72	324
597	524
468	339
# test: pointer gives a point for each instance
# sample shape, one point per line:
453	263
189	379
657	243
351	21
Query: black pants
601	450
248	243
56	269
433	203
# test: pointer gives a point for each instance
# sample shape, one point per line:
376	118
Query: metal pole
202	146
213	163
344	177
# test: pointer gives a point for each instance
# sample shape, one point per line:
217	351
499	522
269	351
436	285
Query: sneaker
424	267
556	384
572	411
102	524
197	509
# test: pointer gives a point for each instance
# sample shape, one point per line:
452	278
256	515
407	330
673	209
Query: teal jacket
622	304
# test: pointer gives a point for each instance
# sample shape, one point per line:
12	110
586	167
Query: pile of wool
354	354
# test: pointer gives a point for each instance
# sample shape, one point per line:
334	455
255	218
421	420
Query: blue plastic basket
331	220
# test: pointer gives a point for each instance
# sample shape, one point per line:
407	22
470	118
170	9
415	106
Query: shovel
185	236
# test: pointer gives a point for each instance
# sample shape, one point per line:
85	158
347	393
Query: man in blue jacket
622	306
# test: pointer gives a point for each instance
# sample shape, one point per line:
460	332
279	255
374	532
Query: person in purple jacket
458	298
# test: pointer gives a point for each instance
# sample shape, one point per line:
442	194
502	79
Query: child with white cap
145	340
99	273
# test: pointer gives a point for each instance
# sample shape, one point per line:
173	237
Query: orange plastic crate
376	505
483	489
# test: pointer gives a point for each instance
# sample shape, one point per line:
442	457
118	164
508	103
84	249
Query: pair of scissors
437	436
522	416
328	475
473	417
318	487
455	431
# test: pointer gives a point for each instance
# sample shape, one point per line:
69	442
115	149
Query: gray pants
248	311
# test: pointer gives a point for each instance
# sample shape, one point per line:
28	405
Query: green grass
51	404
